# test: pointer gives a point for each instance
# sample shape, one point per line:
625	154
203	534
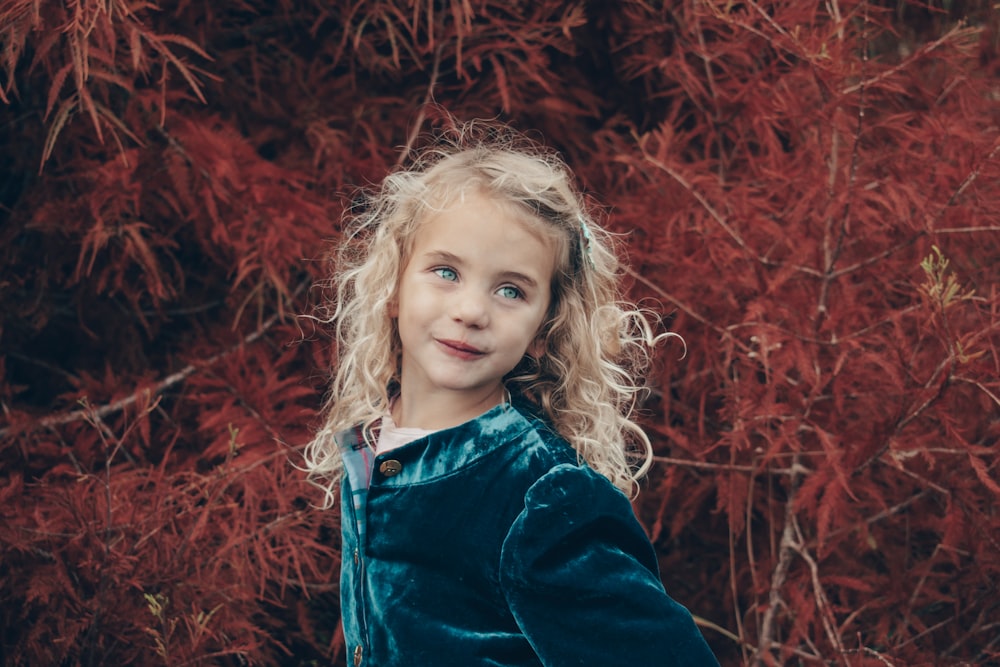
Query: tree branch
146	393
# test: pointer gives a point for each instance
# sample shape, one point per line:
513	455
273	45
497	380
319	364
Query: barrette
585	241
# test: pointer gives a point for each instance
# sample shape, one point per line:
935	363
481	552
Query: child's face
471	300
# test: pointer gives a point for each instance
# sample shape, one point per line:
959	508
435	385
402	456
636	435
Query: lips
457	348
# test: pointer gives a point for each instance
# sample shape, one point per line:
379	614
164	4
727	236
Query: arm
581	580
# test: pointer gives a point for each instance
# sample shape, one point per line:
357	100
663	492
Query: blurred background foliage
808	193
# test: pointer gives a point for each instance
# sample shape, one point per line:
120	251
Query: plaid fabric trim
359	463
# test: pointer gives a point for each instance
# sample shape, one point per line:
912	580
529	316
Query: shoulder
581	579
566	502
572	503
516	432
540	441
517	448
563	473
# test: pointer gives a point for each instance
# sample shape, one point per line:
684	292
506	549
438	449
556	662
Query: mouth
459	349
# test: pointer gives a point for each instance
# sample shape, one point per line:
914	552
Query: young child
479	425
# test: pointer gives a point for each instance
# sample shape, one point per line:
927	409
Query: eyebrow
451	258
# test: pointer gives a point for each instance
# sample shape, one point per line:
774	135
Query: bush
809	193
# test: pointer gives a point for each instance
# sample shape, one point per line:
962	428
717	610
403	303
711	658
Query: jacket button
357	655
390	467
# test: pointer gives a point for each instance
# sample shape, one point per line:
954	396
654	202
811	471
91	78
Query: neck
443	409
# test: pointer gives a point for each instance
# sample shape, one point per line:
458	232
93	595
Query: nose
471	308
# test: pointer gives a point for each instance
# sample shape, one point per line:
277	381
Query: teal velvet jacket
490	544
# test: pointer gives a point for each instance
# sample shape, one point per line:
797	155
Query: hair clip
585	241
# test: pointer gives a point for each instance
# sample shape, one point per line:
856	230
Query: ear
393	308
537	347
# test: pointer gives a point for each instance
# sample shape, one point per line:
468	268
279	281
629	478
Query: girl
479	426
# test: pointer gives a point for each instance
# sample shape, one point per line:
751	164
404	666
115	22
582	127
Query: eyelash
442	270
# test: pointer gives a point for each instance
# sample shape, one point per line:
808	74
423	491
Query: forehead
478	228
479	206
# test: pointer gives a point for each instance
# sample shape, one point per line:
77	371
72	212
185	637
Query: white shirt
391	436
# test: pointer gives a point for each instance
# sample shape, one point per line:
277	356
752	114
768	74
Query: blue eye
446	273
509	292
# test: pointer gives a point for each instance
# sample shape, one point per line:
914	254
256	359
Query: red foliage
810	192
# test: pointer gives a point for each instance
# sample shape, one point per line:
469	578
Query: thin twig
146	393
965	230
705	623
977	628
878	656
994	397
780	575
916	412
832	254
751	556
421	116
703	53
881	515
680	304
683	182
822	603
919	53
704	465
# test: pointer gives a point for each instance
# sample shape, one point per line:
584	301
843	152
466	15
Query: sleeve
581	580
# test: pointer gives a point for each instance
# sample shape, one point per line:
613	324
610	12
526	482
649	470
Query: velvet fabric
490	544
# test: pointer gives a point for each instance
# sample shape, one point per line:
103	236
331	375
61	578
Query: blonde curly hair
596	346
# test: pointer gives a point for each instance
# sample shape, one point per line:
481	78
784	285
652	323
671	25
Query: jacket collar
444	452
